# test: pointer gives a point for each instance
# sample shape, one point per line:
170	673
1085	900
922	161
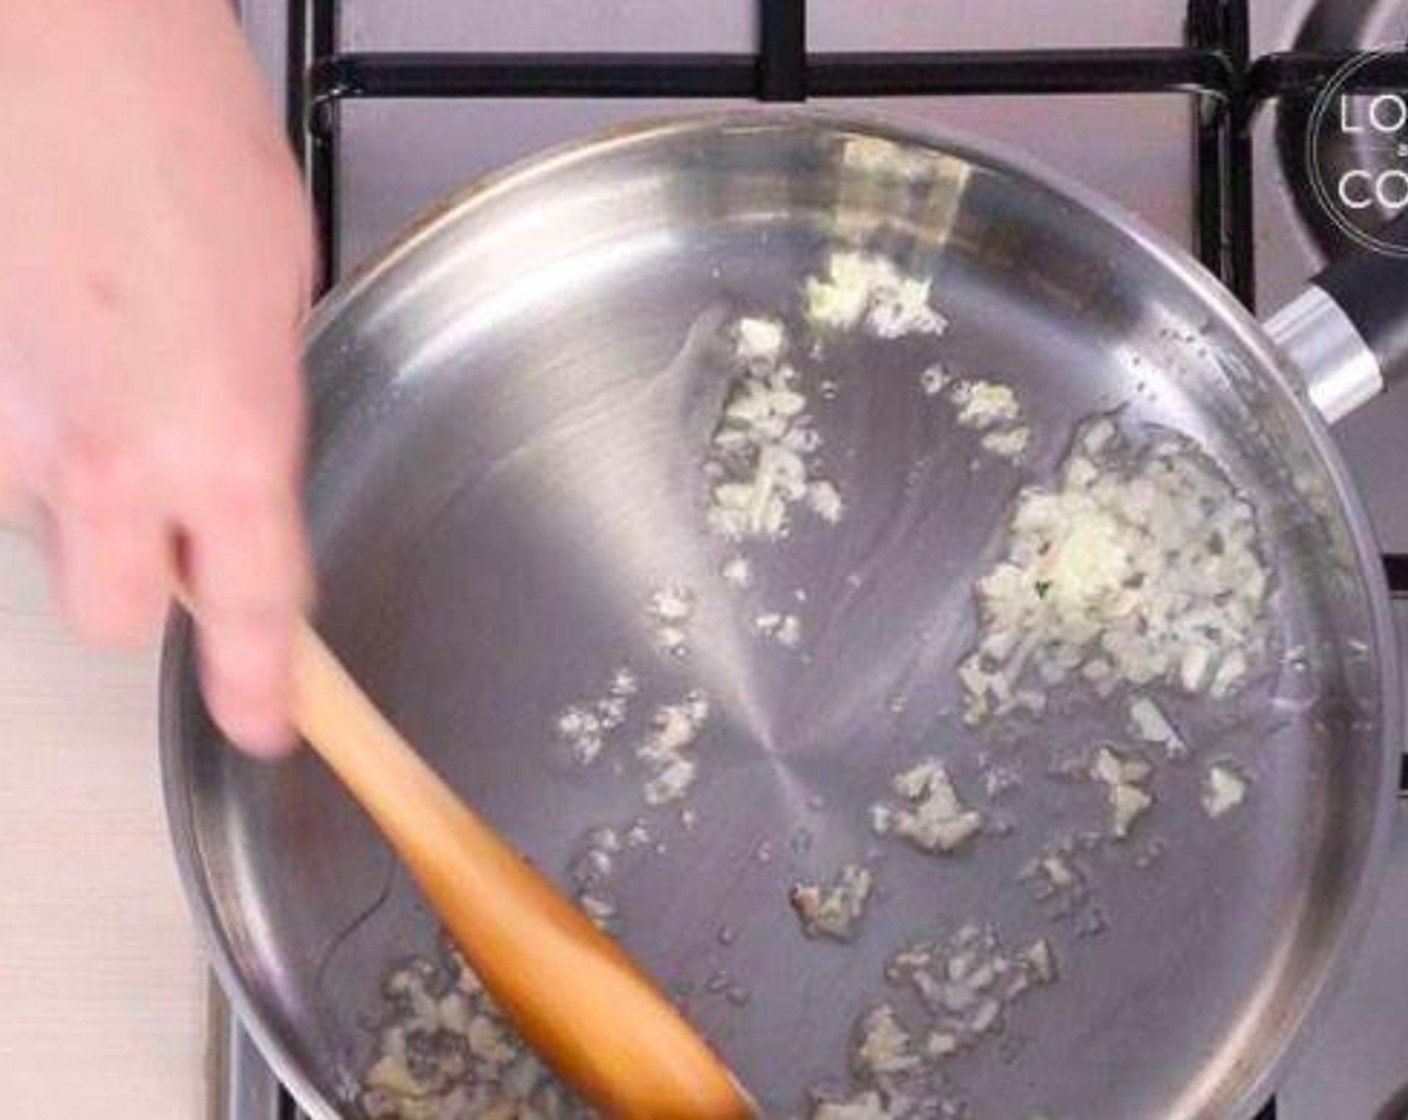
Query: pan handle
1347	333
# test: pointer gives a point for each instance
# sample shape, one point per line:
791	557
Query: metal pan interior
511	413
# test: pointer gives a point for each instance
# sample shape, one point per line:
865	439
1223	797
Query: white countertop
102	988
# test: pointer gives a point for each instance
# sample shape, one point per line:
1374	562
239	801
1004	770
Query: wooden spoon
571	991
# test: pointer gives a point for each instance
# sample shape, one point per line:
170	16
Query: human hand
155	262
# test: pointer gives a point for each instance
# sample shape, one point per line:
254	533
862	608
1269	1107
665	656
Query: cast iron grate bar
1303	73
429	74
289	1110
312	124
782	51
1224	149
1214	66
387	74
1396	570
1021	73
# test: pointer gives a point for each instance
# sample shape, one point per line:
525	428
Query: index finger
246	568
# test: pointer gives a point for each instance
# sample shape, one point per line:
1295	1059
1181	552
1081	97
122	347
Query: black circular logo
1357	155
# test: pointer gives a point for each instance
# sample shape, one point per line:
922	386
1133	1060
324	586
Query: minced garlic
833	911
930	815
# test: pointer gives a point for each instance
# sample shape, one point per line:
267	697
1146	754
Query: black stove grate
1213	66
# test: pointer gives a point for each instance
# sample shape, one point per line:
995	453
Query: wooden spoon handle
568	987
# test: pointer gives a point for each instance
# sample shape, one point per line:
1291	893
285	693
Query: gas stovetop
1184	111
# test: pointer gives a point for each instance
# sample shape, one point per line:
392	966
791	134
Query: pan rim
457	205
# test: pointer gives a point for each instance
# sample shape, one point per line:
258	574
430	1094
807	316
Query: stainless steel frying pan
511	409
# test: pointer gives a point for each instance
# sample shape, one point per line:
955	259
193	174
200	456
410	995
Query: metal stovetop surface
397	156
